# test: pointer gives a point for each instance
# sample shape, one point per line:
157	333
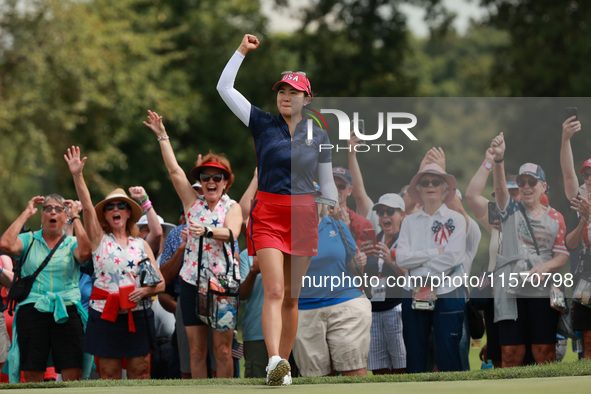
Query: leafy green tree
75	73
548	53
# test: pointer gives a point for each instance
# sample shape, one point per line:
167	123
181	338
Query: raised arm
501	193
360	195
83	251
177	175
435	156
476	201
569	175
10	243
91	222
139	194
237	103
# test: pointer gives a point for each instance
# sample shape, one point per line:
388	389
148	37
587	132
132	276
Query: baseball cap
342	173
533	170
586	164
196	185
297	80
391	200
165	225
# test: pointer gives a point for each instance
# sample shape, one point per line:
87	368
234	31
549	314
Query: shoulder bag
218	296
21	286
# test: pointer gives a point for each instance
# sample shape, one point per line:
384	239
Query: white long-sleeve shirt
421	237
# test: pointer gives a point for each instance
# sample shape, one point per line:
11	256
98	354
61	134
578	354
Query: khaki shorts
334	337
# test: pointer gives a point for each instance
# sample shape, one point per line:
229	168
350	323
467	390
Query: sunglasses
294	72
341	186
586	175
49	208
530	181
120	206
387	211
426	182
216	177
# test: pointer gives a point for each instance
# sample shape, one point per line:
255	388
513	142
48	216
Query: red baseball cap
297	80
586	164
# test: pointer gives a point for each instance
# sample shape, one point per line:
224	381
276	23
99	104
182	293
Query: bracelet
143	200
145	204
487	165
162	138
146	208
500	160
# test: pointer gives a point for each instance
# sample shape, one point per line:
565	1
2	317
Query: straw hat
119	194
434	169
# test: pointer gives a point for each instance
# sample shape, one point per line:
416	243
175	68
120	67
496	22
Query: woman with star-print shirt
120	321
215	219
432	244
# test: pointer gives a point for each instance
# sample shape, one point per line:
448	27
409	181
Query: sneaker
277	369
287	379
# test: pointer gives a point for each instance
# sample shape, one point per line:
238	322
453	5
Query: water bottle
487	365
577	344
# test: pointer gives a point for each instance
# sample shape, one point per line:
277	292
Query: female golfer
283	224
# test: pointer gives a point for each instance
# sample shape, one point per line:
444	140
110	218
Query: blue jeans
446	320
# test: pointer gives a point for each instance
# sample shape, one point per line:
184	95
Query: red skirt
283	222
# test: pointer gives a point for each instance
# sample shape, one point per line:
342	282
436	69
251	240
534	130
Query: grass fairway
565	377
575	384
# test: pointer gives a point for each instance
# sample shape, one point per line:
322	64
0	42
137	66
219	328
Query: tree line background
85	72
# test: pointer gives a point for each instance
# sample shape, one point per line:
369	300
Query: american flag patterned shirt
115	266
213	254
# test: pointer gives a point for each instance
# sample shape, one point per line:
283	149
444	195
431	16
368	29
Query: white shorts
333	337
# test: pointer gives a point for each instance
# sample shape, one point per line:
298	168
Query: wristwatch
208	232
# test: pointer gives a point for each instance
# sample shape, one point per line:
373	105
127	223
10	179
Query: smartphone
361	125
493	212
325	201
369	234
571	111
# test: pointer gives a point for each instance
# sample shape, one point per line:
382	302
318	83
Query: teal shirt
61	274
55	287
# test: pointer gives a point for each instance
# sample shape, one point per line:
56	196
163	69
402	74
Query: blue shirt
331	262
286	165
171	244
252	329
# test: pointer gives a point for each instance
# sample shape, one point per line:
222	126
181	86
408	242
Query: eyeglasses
530	181
206	177
294	72
425	182
341	186
49	208
387	211
120	206
586	175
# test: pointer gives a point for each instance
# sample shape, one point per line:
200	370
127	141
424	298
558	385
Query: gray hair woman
51	318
